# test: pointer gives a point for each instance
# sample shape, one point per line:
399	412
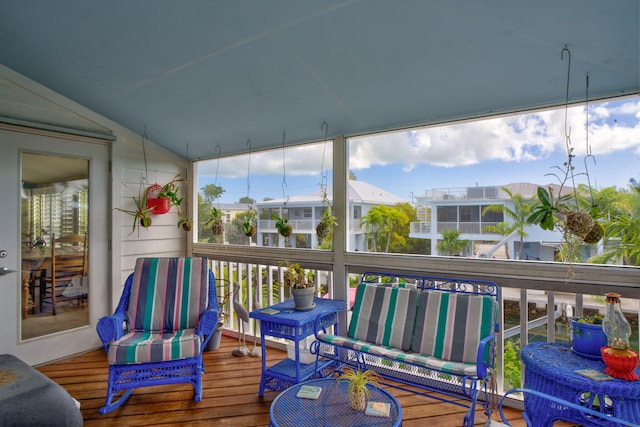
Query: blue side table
551	369
296	326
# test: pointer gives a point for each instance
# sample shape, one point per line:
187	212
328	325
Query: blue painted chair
167	312
591	417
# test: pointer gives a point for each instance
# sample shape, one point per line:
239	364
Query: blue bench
435	333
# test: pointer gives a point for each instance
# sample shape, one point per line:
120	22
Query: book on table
378	409
269	311
594	374
309	392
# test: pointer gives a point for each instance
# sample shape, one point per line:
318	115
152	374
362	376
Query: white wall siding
163	238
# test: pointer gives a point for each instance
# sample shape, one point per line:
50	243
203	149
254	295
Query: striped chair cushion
144	347
167	294
468	369
447	325
384	315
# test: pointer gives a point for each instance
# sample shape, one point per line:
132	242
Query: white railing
523	318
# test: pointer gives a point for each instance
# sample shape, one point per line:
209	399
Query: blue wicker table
296	326
332	407
550	368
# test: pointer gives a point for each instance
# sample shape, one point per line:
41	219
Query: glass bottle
615	325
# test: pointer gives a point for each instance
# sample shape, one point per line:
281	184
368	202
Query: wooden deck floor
230	395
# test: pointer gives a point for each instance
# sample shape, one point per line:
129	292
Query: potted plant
357	389
184	222
301	283
142	213
248	228
587	336
558	213
170	191
215	222
283	226
324	229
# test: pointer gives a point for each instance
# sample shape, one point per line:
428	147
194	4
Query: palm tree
384	223
450	243
519	216
622	228
372	223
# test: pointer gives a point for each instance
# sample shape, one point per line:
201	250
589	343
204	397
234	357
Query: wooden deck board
230	395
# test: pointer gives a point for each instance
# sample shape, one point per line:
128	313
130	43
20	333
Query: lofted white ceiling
203	73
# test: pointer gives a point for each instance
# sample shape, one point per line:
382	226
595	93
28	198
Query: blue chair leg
110	406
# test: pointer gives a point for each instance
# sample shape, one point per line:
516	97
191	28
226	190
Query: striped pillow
449	325
384	315
167	294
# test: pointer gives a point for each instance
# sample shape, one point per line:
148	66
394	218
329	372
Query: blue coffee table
332	407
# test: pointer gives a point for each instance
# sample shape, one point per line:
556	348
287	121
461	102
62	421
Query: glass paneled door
54	218
53	235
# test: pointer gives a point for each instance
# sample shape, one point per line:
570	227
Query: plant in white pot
302	285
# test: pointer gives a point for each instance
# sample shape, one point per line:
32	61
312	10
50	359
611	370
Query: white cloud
301	160
613	126
517	138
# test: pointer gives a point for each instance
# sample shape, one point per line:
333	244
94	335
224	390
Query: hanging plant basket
159	205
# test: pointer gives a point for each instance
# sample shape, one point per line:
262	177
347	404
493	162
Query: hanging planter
142	214
215	222
157	205
324	229
282	225
185	223
248	228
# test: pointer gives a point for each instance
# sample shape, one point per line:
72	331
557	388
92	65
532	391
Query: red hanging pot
160	205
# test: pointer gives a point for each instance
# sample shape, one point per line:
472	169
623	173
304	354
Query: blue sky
516	148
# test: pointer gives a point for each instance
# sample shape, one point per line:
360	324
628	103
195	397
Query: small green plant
324	229
556	212
186	223
170	191
142	213
248	228
215	222
357	389
596	319
282	225
297	277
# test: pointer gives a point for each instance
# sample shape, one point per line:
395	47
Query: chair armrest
208	322
482	365
207	325
317	322
111	328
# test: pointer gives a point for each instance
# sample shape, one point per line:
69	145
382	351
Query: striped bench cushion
458	368
167	294
144	347
384	315
450	326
